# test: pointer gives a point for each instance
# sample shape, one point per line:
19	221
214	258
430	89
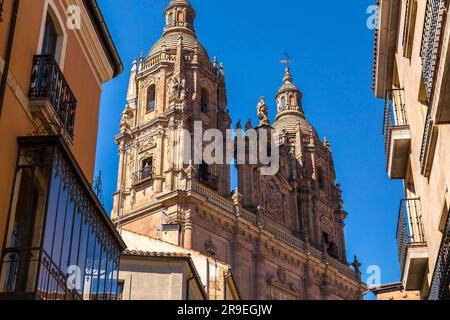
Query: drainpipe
9	47
187	286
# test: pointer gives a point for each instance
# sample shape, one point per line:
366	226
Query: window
151	98
147	168
409	27
120	289
180	17
204	102
170	17
55	229
321	178
204	172
50	38
283	103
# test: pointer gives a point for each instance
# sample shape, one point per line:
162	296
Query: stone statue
262	110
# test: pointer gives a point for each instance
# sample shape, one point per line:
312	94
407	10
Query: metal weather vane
287	59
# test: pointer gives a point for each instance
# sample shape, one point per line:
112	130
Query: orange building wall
14	120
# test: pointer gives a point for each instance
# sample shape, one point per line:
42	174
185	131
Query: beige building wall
401	64
216	277
159	278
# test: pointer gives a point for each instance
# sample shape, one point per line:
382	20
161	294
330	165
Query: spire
287	75
132	88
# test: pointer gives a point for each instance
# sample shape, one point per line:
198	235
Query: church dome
170	42
290	124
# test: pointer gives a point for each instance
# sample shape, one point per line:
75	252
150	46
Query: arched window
151	98
283	103
147	169
170	19
204	101
180	16
321	178
293	102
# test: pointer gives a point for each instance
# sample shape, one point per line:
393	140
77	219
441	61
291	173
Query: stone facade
282	234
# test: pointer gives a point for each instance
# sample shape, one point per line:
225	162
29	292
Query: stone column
159	162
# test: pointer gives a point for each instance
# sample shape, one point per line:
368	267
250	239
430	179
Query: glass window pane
96	269
82	256
51	213
103	274
67	244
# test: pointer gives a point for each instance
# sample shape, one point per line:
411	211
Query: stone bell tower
173	88
302	197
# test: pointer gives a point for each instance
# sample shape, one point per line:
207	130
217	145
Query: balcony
431	43
59	243
143	176
52	102
440	285
397	135
412	247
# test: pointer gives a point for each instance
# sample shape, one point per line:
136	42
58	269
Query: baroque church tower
282	235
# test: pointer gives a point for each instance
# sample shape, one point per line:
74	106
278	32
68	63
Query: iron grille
426	141
48	83
409	228
431	42
440	285
143	175
394	116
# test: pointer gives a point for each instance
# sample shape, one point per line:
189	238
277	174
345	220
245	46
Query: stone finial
262	111
357	265
326	143
287	75
190	171
239	125
227	118
249	124
215	62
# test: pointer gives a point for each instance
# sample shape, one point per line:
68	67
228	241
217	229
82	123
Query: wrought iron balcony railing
208	179
426	141
431	42
410	228
48	83
394	116
143	175
440	285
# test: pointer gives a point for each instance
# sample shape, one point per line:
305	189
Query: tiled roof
137	253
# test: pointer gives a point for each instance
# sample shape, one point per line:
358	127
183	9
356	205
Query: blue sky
332	50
